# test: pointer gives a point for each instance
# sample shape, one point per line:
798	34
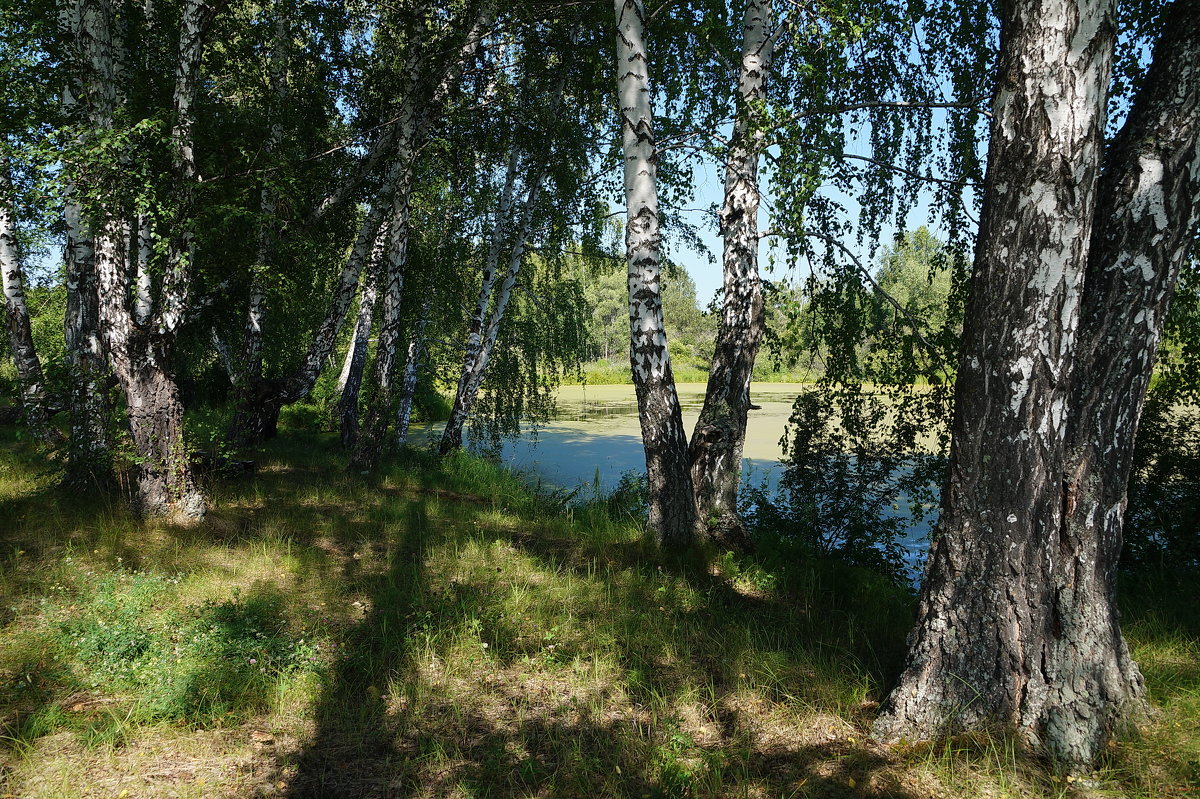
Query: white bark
88	457
716	448
672	510
20	337
1002	637
176	284
485	326
412	122
412	368
144	301
356	355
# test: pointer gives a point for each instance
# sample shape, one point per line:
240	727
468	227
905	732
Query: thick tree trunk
720	434
165	483
140	354
356	356
20	336
1148	208
1003	637
672	514
485	326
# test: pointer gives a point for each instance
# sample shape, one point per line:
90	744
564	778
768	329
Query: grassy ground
438	631
616	372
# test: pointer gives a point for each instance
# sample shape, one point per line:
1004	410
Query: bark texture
369	446
141	354
672	514
720	433
1003	637
412	371
20	336
426	91
88	447
1148	209
256	408
356	356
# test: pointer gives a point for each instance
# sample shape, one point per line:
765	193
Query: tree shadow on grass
412	711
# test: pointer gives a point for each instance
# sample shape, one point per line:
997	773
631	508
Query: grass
615	371
439	630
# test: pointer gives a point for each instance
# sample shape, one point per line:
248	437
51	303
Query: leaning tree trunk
20	336
485	326
1148	208
720	434
672	508
356	356
414	118
369	447
412	371
452	435
1002	638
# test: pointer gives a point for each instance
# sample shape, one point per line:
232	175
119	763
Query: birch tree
255	415
88	445
428	80
20	337
720	433
672	511
141	355
494	298
1069	292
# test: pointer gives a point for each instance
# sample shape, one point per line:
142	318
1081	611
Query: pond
595	438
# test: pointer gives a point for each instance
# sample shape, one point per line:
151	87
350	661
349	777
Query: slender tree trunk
485	327
1002	635
413	121
412	368
369	446
143	310
720	434
256	410
672	508
356	356
89	460
20	336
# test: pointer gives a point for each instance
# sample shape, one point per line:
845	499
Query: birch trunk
412	122
369	446
256	415
356	356
720	433
20	336
412	368
485	326
1002	637
672	514
88	450
144	302
1148	210
141	354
